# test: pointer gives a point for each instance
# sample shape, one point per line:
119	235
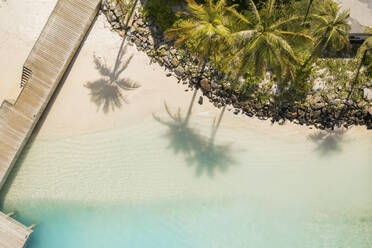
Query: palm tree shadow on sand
328	142
197	149
210	157
107	92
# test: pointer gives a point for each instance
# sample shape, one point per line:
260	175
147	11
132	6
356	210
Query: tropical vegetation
250	40
264	50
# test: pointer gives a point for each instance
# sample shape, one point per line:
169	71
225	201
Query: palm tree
362	53
206	25
263	42
308	10
330	29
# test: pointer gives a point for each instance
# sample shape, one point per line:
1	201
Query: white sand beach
254	185
73	113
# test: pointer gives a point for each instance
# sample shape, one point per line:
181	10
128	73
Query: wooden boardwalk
43	70
12	233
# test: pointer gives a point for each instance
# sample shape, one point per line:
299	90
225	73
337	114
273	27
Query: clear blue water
138	186
192	224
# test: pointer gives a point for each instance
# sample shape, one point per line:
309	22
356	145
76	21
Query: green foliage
265	42
253	37
126	7
161	12
368	64
329	27
203	29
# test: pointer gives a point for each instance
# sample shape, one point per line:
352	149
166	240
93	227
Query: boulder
118	12
111	16
367	94
116	25
200	100
175	62
204	83
179	71
140	22
370	110
316	114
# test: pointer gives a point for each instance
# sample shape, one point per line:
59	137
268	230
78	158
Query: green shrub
161	12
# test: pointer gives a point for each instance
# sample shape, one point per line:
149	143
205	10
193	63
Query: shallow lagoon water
142	186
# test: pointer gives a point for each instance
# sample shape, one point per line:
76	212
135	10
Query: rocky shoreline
321	109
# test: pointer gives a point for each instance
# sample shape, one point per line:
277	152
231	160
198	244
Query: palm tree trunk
120	54
202	68
353	84
307	11
315	53
355	81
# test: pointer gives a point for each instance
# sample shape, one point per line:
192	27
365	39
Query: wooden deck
12	233
43	70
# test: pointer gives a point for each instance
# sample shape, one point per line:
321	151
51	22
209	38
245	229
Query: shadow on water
198	150
328	142
106	92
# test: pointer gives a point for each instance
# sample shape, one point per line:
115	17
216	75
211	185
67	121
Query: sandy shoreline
96	168
73	111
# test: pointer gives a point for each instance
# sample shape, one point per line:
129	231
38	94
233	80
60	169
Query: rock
169	74
204	83
175	62
141	32
138	43
319	85
173	51
140	22
179	71
317	102
367	94
150	40
316	114
111	16
118	11
370	110
200	100
116	25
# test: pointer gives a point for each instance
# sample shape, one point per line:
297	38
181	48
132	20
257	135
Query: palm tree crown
205	25
331	27
263	42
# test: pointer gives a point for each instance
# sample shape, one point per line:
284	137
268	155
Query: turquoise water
148	185
193	224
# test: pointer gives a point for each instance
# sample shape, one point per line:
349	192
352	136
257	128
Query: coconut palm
308	10
330	29
264	42
365	48
205	26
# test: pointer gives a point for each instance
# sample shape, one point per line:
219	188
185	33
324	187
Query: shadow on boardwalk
107	92
201	151
328	142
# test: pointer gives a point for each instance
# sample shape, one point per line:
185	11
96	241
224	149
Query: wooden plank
12	233
46	64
